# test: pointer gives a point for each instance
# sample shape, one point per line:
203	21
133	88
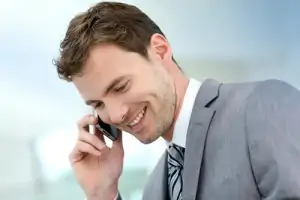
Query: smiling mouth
138	118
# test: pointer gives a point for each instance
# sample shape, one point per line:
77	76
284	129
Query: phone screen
108	130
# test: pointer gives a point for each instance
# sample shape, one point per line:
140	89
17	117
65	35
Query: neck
180	83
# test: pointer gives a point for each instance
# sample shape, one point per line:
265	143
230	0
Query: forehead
106	56
104	64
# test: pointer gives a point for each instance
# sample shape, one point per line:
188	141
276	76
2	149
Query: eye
98	105
122	88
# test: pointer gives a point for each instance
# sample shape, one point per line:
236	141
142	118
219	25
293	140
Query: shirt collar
182	122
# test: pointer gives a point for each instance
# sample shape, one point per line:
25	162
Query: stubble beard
166	114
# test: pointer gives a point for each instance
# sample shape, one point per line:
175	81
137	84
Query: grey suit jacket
243	143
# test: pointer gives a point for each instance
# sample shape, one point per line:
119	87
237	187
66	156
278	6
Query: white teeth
138	118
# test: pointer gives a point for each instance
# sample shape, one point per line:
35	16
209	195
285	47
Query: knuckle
82	121
84	136
79	147
83	148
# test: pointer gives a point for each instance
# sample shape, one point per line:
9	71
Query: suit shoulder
273	87
236	94
273	101
256	89
271	92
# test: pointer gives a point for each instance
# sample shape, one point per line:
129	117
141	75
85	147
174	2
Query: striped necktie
175	170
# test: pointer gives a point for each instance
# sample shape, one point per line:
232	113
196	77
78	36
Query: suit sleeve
273	132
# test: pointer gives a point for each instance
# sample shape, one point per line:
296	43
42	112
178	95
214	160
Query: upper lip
133	118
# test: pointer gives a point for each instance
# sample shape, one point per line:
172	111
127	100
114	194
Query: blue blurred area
228	40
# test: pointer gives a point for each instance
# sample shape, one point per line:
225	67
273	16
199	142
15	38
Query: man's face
128	91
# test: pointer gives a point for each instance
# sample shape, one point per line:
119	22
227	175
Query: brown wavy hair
107	22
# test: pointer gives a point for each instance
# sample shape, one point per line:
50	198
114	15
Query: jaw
147	135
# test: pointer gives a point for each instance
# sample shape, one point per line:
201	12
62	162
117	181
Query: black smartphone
108	130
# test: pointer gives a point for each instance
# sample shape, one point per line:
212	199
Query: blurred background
228	40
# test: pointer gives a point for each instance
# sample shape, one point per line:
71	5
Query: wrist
107	193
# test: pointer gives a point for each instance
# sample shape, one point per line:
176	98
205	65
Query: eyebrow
115	82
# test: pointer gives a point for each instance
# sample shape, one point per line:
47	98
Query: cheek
147	92
103	115
139	93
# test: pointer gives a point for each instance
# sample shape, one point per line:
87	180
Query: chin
147	139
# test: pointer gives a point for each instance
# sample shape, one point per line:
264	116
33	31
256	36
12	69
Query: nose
117	114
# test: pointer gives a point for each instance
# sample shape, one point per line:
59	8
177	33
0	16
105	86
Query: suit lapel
156	187
201	117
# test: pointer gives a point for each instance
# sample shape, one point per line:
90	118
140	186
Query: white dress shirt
184	116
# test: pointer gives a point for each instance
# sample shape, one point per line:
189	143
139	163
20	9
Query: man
225	141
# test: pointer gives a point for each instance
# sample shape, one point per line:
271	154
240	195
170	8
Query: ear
160	46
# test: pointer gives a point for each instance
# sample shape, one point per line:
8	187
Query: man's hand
96	166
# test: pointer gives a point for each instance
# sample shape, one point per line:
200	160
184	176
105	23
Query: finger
92	128
97	132
85	121
81	149
92	140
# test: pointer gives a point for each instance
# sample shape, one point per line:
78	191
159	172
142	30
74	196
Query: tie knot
176	155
